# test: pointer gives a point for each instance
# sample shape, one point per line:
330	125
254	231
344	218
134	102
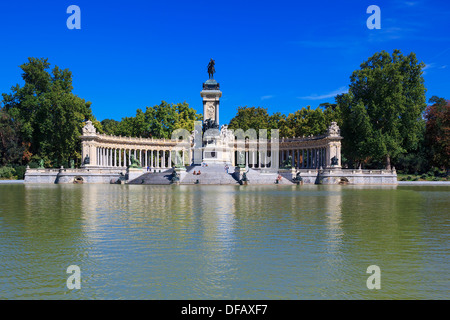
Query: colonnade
118	157
306	158
301	158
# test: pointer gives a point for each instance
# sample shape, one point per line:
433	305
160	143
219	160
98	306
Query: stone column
146	158
170	158
315	158
151	159
163	159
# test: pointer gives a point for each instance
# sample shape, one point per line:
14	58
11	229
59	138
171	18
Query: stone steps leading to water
153	178
212	174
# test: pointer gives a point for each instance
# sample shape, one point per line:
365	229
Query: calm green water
224	242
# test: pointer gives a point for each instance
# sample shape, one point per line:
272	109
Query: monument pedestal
133	173
181	172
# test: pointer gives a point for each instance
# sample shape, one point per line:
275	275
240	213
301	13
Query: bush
33	165
416	179
7	172
20	172
408	178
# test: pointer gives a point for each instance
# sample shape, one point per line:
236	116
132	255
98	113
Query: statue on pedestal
334	161
211	69
175	177
135	163
87	160
210	124
241	162
287	163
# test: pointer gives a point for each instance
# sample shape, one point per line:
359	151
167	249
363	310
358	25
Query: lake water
224	242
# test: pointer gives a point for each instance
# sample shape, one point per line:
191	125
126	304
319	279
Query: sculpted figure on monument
288	162
135	163
211	69
89	128
210	124
334	161
333	129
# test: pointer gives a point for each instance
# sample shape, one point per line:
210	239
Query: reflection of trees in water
384	226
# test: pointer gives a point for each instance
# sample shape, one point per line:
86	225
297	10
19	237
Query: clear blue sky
281	55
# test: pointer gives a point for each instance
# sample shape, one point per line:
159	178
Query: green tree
306	122
382	112
110	126
12	148
51	115
278	121
250	118
437	118
158	121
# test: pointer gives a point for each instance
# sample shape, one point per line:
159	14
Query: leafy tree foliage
382	112
51	115
109	126
303	122
251	118
12	148
158	121
437	118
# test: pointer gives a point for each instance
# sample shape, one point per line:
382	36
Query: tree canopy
437	116
49	115
303	122
382	112
158	121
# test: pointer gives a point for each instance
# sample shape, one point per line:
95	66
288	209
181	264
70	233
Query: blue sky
281	55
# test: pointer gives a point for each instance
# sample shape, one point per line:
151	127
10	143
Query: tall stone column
170	158
151	159
157	159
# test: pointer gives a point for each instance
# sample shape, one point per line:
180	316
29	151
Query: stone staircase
153	178
212	174
256	176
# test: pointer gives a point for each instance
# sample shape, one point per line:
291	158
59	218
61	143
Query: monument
215	147
226	156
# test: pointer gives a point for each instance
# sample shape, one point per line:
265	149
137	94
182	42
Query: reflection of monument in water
212	155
